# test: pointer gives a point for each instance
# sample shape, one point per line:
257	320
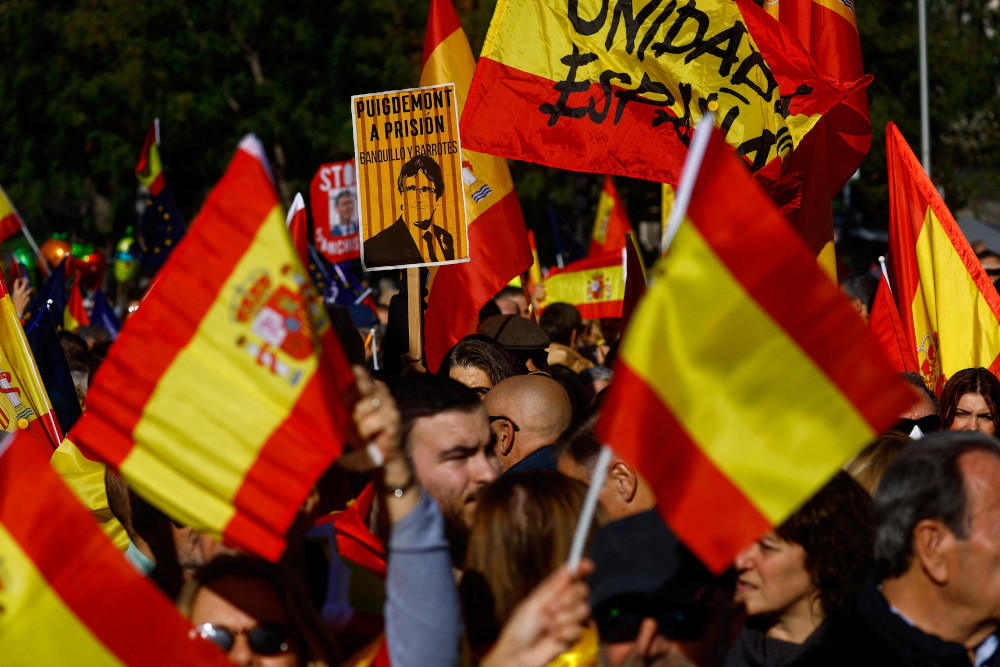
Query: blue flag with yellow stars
161	227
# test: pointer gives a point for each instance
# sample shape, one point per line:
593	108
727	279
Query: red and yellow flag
498	239
10	221
222	401
949	307
887	327
611	222
749	366
595	285
66	594
75	315
24	403
298	228
149	169
588	86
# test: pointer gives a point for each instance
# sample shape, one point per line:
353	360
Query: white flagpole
689	174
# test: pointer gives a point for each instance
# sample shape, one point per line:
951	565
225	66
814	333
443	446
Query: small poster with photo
333	198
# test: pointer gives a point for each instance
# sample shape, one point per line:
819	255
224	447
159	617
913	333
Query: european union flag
103	314
568	248
54	290
161	227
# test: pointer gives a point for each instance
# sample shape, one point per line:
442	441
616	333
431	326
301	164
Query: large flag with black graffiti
616	87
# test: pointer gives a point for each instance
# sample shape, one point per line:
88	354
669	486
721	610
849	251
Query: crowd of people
450	545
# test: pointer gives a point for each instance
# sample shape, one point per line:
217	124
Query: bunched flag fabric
221	402
948	306
611	222
745	380
10	221
887	327
91	608
607	88
498	239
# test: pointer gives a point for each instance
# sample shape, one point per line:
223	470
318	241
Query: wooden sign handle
413	310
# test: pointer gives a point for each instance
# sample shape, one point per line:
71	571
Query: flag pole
885	274
589	508
925	122
413	310
689	174
31	240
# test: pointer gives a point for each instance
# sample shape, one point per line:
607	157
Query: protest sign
333	196
409	167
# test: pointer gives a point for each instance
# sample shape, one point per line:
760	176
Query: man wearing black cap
654	603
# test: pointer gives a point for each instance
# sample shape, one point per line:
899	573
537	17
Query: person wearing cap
653	602
524	339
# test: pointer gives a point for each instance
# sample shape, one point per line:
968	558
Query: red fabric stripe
498	248
741	225
9	225
596	311
442	21
197	270
699	503
613	259
885	324
125	611
906	220
355	542
294	456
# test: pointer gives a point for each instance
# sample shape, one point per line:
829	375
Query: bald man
528	414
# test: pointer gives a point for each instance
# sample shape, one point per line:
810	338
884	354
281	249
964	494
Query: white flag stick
689	174
589	507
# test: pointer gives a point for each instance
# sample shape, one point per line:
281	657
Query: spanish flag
949	307
595	285
67	597
75	315
587	86
611	222
10	221
498	239
298	227
745	380
887	327
24	403
222	401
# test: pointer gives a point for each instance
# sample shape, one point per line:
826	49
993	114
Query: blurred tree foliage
83	79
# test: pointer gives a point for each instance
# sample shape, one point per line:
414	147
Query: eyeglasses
423	189
493	419
268	639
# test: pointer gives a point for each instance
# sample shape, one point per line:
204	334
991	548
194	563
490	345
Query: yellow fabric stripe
15	358
6	208
85	478
217	405
36	626
948	301
452	62
605	283
707	357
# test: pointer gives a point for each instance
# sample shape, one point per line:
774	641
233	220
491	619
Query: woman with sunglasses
256	613
800	582
969	402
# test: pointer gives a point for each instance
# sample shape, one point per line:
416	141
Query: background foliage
83	79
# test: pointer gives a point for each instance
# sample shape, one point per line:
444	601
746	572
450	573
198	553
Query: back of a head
861	286
559	320
834	528
868	467
539	406
923	482
522	532
917	381
484	353
426	395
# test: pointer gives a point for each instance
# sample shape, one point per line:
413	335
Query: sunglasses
927	424
268	639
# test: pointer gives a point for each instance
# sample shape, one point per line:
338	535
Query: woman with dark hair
969	402
799	582
479	362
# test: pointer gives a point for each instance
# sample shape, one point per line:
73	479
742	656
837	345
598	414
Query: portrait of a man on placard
346	222
414	238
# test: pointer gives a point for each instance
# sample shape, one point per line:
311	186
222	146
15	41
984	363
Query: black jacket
393	246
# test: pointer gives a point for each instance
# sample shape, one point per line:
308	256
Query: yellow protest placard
409	163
